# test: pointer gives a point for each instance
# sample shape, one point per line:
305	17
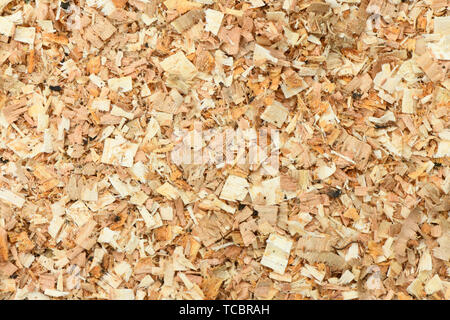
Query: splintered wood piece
213	21
123	84
177	64
247	230
213	228
25	35
11	197
168	191
3	245
182	5
262	54
119	151
276	254
59	39
325	171
234	189
356	150
55	226
432	69
46	176
103	28
187	20
276	114
304	179
441	25
3	4
85	237
166	213
7	27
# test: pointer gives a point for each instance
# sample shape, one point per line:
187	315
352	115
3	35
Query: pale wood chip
276	254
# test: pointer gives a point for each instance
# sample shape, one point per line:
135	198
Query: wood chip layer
352	204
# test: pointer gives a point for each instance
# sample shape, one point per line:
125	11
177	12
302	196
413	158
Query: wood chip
3	246
235	188
277	252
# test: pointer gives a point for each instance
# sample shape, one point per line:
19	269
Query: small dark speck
116	218
241	206
437	164
356	95
56	88
384	125
3	160
334	193
65	5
